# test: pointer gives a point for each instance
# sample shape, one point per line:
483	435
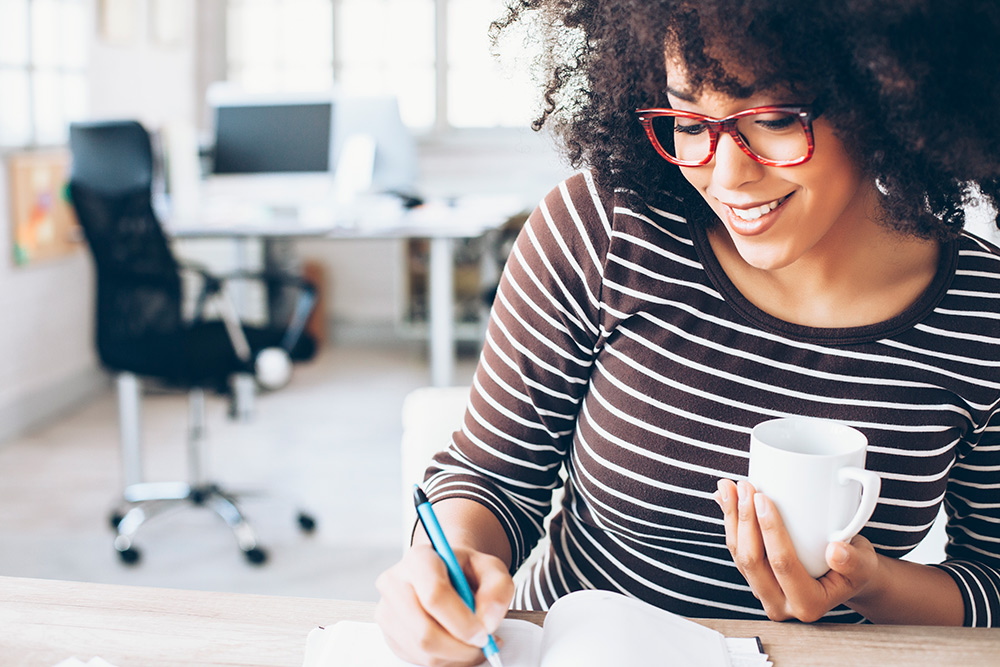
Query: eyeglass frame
805	115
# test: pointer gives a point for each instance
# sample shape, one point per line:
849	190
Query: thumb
855	560
838	557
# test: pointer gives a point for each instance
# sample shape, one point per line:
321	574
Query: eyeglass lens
772	135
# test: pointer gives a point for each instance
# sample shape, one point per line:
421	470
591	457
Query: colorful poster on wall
44	225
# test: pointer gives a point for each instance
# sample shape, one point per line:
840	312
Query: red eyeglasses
775	136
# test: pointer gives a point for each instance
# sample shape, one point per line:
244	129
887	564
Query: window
434	55
43	55
277	45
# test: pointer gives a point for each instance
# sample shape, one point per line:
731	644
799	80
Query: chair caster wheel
256	556
306	522
115	519
129	556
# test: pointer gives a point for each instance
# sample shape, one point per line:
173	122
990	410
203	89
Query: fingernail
838	554
741	490
760	504
480	639
723	491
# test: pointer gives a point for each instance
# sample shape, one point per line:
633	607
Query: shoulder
977	270
579	202
963	325
974	249
594	209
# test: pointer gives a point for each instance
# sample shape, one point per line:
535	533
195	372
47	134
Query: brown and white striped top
619	350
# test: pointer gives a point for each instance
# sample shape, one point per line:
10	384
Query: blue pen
441	546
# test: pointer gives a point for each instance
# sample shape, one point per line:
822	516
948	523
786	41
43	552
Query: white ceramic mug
813	470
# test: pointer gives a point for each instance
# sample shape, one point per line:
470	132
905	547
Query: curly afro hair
912	88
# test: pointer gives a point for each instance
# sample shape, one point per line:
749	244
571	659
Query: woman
776	231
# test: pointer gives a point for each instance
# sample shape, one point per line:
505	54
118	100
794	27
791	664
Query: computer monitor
376	118
272	134
284	149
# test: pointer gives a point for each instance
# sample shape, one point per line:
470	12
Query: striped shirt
619	352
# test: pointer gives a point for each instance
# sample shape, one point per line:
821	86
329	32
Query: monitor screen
273	137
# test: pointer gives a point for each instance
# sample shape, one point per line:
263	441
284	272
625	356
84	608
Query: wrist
909	593
468	525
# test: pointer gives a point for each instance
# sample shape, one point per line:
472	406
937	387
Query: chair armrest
269	277
304	305
214	285
213	281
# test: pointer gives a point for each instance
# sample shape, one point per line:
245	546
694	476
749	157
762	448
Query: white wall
144	79
47	363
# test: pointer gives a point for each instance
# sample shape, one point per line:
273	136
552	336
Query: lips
756	219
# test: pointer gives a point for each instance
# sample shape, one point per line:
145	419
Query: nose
731	167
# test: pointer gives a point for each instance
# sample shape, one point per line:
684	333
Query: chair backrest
111	157
138	278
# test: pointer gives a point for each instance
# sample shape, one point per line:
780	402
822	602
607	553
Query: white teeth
750	214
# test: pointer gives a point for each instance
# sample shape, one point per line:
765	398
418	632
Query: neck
863	276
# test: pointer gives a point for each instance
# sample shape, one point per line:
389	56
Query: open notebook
582	629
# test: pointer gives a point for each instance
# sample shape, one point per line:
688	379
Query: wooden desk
43	622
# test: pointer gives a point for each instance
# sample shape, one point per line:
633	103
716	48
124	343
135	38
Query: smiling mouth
751	214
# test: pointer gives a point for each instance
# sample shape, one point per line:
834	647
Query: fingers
423	618
744	541
438	597
424	641
494	588
752	557
794	593
726	497
764	554
797	594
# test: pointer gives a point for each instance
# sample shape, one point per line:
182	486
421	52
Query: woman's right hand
422	616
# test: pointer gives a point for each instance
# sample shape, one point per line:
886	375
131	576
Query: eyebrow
681	94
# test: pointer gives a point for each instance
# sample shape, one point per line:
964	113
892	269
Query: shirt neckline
905	320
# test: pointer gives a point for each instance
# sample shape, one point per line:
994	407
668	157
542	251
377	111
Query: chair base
144	501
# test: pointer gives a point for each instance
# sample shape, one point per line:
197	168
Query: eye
688	127
775	122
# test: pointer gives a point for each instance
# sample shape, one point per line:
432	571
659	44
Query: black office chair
141	331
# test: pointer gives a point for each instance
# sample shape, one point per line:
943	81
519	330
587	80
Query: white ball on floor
273	368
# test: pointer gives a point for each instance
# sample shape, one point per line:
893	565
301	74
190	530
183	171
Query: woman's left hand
763	552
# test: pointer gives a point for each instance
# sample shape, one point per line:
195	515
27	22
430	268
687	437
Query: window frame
33	70
441	124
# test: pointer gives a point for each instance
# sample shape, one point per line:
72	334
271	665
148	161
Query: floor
328	442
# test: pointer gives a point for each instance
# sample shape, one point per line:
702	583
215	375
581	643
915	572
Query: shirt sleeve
542	338
972	503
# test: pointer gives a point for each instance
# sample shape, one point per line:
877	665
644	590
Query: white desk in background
374	217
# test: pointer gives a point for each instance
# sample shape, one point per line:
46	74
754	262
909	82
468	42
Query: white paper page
357	644
599	628
746	652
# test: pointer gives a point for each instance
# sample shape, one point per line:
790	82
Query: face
776	217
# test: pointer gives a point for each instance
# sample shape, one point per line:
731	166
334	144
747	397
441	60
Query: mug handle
871	485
